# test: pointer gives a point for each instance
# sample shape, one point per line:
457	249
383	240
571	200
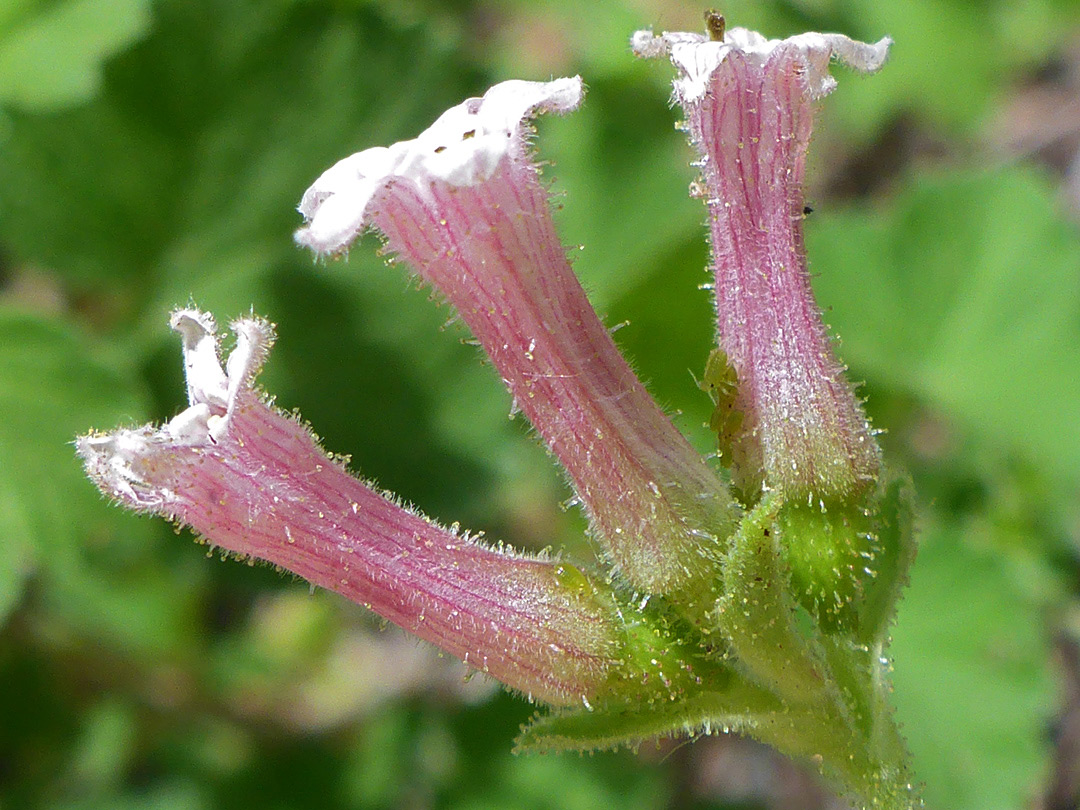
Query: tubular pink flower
255	482
463	204
749	108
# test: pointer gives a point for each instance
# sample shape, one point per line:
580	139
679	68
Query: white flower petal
697	56
254	337
463	147
343	175
336	219
190	426
206	381
115	460
213	390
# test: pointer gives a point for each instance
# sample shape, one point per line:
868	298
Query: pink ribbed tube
255	482
481	233
749	111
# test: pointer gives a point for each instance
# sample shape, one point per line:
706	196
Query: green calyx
844	558
786	643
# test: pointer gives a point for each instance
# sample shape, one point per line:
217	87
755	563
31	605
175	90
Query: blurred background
151	155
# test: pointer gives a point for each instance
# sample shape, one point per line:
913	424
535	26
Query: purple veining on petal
490	247
749	107
255	482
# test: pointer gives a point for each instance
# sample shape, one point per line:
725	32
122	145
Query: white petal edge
463	147
115	460
696	56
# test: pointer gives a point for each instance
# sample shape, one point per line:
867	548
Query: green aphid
721	383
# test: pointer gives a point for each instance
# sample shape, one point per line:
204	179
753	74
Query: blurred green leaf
173	179
374	776
193	157
964	291
171	795
52	387
18	551
972	683
81	194
569	783
626	211
105	744
51	53
938	47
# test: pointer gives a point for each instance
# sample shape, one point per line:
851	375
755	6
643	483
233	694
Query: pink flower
726	643
255	482
464	206
798	427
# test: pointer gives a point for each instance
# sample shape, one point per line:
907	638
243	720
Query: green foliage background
151	154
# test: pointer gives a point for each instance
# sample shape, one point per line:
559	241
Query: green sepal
801	732
894	526
767	669
830	550
849	562
742	708
833	688
758	616
861	675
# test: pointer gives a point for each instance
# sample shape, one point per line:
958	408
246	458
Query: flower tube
749	108
463	204
255	482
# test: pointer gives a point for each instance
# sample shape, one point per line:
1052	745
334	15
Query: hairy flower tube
765	611
464	206
254	481
786	417
797	425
